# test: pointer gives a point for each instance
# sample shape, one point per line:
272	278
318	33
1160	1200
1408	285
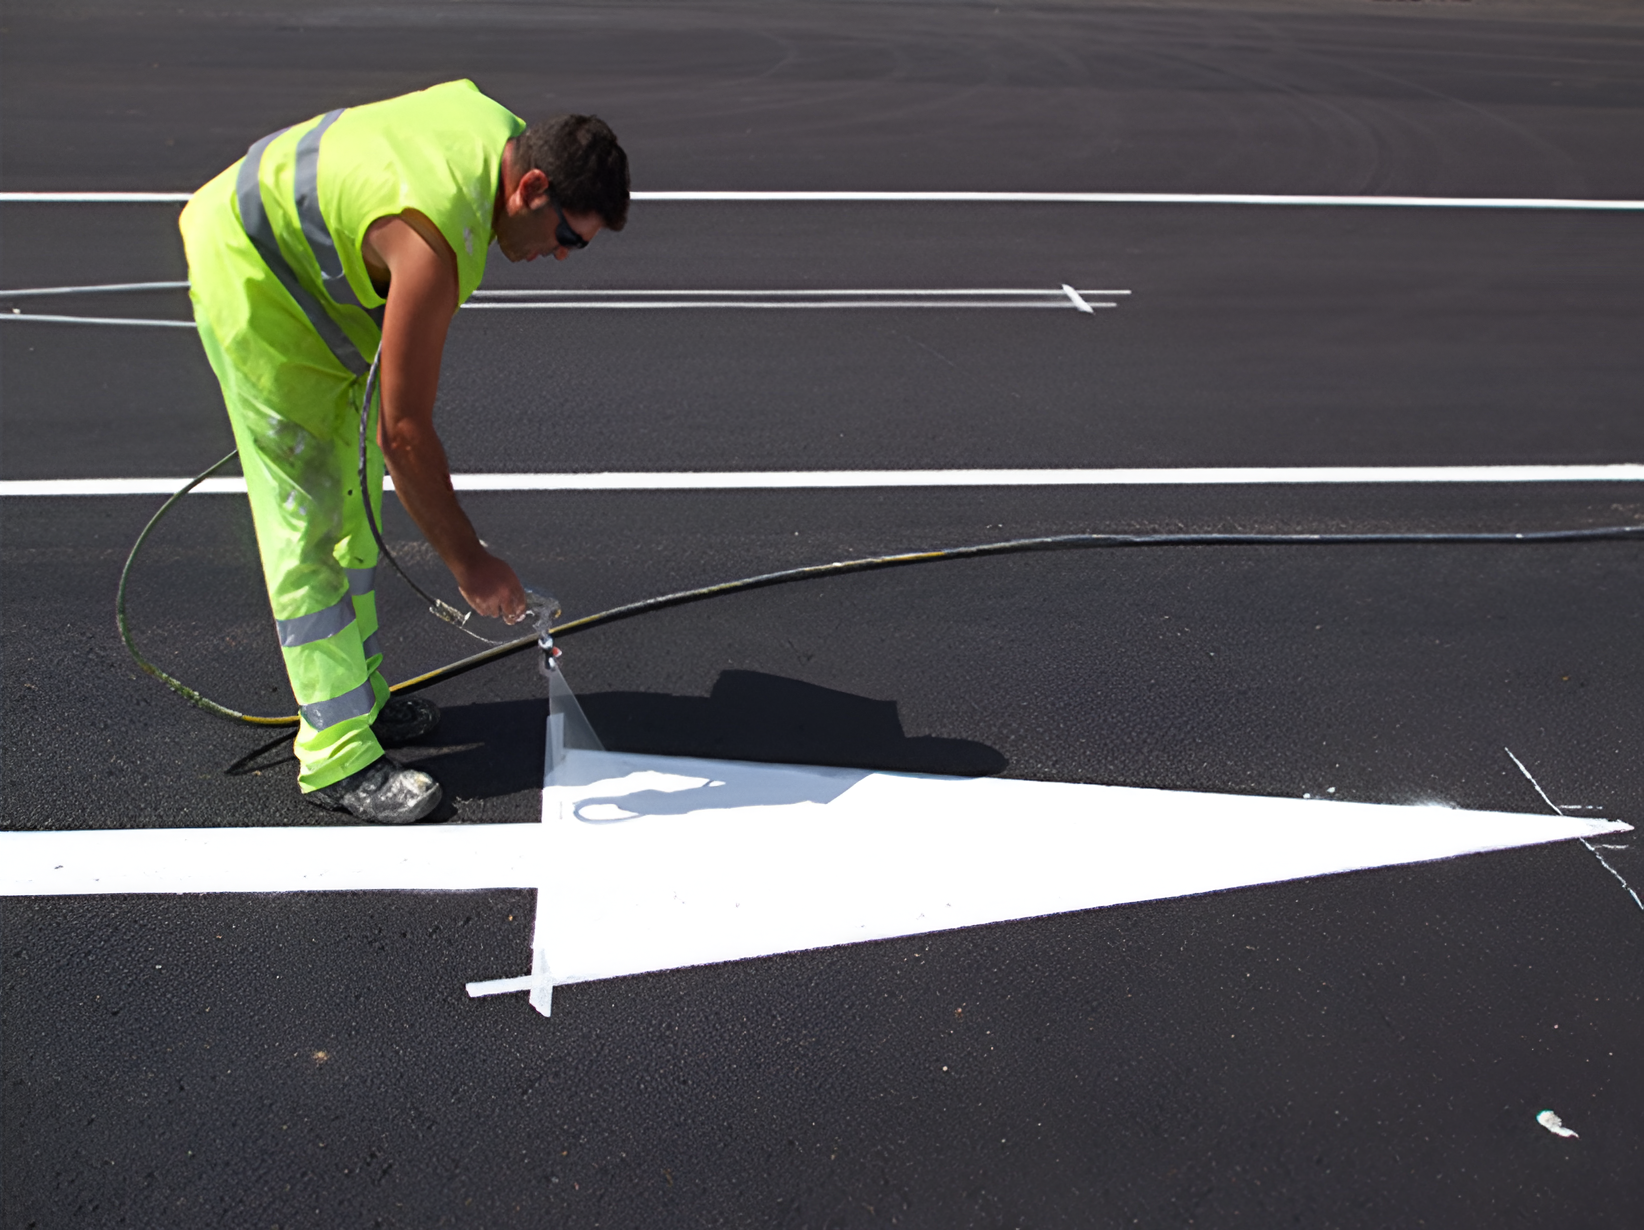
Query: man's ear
533	190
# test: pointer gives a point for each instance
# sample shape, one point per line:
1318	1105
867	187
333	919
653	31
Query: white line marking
780	304
1603	862
763	480
271	860
501	986
985	198
657	862
98	320
546	292
1077	301
102	289
589	305
116	486
1621	879
815	294
96	198
1156	198
1556	808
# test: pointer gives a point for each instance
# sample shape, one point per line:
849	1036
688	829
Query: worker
365	227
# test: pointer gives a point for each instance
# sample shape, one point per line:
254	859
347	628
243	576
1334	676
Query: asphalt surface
1450	338
1362	1050
1537	97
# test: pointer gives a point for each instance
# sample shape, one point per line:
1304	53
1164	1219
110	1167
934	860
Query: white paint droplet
1550	1120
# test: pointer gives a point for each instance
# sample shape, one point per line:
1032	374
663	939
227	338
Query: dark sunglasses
563	234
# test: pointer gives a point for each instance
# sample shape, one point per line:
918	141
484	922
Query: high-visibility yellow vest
307	195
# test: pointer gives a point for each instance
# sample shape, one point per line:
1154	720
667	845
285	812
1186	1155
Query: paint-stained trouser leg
318	560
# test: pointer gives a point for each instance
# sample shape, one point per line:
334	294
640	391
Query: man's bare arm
422	297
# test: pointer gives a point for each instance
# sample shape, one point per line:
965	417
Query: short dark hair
580	156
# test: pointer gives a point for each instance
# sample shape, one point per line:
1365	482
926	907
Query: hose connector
444	610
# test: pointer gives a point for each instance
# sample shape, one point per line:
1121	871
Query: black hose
1055	542
437	607
177	685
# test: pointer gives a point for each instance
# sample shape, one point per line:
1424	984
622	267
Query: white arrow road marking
660	862
650	862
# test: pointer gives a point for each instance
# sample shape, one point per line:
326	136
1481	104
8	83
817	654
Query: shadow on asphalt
494	749
754	716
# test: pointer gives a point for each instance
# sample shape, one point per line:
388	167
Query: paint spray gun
568	726
542	609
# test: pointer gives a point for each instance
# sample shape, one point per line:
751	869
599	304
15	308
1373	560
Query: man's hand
422	296
490	586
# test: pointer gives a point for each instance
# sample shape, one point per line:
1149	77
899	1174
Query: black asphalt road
1489	98
1359	1051
1252	337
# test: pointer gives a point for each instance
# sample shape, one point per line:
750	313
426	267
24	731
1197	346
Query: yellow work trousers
295	414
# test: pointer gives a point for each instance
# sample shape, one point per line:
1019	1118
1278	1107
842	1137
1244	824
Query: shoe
405	719
382	793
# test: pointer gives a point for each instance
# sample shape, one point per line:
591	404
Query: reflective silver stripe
306	629
260	231
351	704
361	581
315	230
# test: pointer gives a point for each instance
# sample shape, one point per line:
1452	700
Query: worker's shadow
754	716
493	749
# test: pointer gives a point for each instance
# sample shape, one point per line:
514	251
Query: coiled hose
1055	542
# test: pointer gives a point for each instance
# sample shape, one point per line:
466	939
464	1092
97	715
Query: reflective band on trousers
361	581
306	629
315	230
316	627
248	190
351	704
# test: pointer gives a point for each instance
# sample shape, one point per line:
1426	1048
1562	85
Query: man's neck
507	181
